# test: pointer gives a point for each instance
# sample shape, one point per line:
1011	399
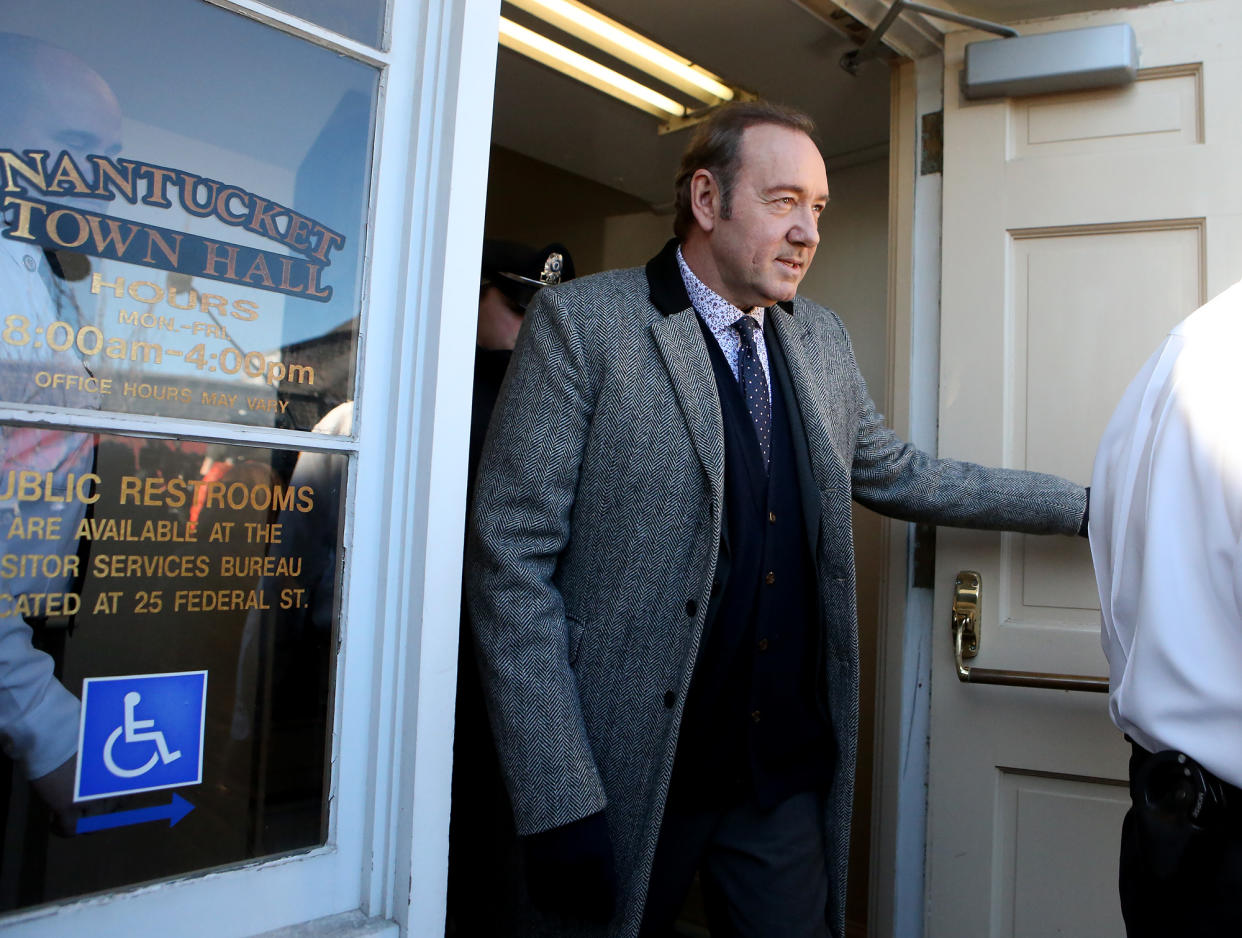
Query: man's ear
704	199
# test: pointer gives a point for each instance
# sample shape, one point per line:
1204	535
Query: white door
1077	229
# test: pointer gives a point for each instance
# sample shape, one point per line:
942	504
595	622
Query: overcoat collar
668	290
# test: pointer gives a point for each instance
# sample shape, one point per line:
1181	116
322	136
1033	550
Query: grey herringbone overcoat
595	538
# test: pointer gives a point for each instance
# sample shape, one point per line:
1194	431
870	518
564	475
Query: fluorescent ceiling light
600	77
630	47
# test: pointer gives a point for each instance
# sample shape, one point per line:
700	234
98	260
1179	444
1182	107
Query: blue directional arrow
174	811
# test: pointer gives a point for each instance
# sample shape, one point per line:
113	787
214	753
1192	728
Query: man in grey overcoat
660	566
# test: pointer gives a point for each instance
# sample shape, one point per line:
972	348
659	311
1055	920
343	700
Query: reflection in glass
183	227
126	557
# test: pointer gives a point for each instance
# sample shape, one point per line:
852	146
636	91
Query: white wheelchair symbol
130	729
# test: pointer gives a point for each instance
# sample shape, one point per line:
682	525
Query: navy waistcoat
753	724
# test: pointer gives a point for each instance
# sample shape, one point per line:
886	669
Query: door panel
1041	819
1164	106
1077	229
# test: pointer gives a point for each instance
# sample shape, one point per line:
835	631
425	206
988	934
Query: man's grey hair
717	148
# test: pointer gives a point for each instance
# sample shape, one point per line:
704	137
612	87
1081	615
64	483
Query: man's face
499	320
62	105
762	251
69	107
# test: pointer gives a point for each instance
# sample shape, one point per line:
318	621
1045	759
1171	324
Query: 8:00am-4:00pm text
89	341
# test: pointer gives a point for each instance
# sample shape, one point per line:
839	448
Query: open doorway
572	165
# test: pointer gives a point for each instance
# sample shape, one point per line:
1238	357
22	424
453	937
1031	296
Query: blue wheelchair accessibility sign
140	733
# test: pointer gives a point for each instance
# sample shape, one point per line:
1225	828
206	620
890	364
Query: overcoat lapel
684	352
805	360
680	341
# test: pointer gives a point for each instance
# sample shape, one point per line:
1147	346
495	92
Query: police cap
519	271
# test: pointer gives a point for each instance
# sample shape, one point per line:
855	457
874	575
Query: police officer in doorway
1166	539
483	855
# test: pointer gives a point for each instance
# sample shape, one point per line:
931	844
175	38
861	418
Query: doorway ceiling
774	48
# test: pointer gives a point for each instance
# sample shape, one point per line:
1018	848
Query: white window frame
386	856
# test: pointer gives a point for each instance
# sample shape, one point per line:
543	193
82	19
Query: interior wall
850	271
532	202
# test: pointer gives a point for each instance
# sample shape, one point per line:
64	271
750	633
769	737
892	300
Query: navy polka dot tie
754	384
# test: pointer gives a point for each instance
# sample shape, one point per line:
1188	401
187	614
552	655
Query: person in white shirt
53	101
1166	539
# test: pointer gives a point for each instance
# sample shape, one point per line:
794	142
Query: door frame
903	656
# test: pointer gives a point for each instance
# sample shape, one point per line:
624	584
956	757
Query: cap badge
552	269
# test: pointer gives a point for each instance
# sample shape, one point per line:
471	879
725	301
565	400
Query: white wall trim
449	152
898	832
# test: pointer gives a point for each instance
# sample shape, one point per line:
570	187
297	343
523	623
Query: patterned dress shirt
720	315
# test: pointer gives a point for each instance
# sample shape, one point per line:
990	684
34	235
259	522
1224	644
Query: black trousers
1202	897
763	872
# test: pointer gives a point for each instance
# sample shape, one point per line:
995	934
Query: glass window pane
358	19
185	197
187	595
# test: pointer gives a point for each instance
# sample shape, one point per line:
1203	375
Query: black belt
1177	786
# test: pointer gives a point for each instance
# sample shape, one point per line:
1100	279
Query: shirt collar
717	312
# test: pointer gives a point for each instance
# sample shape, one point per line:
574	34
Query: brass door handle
966	633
